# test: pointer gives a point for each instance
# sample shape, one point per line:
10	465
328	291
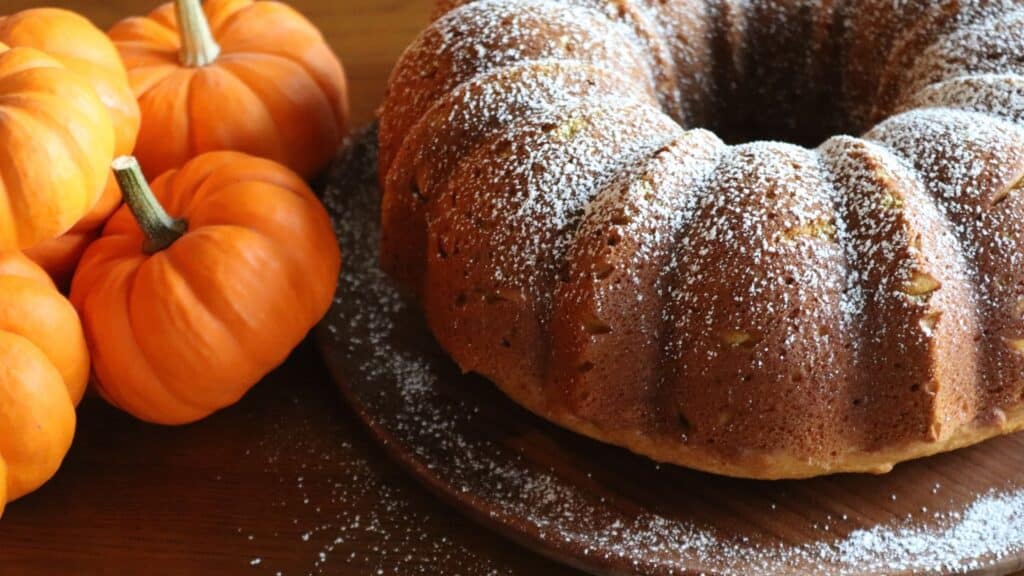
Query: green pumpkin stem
198	48
157	226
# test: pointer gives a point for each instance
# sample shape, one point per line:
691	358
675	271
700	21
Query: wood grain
275	480
269	485
368	35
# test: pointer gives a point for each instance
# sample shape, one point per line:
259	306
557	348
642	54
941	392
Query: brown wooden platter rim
608	512
476	508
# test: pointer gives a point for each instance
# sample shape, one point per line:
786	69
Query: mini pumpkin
46	368
59	140
60	256
184	314
82	48
254	77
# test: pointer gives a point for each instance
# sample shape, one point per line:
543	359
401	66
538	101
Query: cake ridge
514	264
503	29
470	114
915	314
633	16
971	93
989	44
941	20
611	259
987	225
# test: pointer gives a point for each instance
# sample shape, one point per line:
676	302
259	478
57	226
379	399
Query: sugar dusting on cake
888	280
744	309
430	423
575	150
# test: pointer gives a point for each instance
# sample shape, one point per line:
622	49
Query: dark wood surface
288	481
274	481
368	35
268	486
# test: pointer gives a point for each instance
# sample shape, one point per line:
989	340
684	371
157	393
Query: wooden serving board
606	511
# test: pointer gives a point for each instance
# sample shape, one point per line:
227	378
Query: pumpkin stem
159	229
198	48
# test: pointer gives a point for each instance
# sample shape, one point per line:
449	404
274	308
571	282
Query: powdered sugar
792	277
509	187
434	417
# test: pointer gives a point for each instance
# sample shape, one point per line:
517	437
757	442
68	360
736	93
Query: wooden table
284	483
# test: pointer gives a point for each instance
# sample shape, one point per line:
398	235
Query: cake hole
603	270
620	218
820	229
1001	196
930	322
461	300
585	367
893	202
417	193
738	338
595	326
1015	344
684	423
999	417
921	284
724	418
502	295
506	343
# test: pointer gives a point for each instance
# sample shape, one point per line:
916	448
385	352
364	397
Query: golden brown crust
765	465
762	310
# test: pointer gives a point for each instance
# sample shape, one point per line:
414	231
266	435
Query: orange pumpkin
183	315
60	256
46	368
254	77
59	140
81	47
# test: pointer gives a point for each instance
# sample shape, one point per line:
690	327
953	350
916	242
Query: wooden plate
606	511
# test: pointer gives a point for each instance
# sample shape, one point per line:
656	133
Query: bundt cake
591	201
